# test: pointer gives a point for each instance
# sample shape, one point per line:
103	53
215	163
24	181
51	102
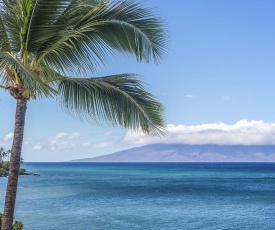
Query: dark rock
29	174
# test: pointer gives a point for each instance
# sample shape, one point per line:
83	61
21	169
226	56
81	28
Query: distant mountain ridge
190	153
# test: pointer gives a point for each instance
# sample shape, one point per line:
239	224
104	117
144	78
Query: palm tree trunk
14	167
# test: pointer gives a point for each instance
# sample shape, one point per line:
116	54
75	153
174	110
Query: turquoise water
149	196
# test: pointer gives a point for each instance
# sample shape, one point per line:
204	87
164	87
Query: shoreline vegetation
5	165
4	170
16	226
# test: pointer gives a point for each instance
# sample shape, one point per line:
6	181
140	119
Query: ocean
146	196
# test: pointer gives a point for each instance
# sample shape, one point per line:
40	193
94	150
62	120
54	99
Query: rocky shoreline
29	174
4	170
24	174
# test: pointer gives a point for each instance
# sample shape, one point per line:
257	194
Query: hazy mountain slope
190	153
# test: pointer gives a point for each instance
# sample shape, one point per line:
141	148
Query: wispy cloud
67	135
243	132
66	141
59	141
103	145
61	145
97	145
189	96
38	146
8	137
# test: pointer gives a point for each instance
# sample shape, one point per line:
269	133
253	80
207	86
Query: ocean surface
153	196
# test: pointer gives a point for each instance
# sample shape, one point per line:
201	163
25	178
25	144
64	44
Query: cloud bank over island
243	132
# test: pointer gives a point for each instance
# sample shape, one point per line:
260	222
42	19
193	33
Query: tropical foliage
4	153
16	226
4	165
52	49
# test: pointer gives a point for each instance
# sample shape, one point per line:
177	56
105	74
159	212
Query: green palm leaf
118	99
44	40
84	34
26	76
4	39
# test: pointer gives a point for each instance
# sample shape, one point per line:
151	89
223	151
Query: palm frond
117	100
4	39
132	29
41	26
11	13
4	79
70	34
26	76
86	35
41	41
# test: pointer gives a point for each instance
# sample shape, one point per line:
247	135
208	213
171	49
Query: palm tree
52	48
3	153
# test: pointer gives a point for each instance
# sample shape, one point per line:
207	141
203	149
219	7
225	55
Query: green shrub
4	169
16	226
2	172
22	171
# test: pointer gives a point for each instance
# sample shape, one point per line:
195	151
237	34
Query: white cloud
63	141
67	135
97	145
58	142
103	145
37	147
60	145
86	144
8	137
243	132
190	96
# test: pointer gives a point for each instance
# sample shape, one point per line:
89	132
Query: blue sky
219	69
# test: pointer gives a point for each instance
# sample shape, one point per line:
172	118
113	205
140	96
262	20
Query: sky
216	82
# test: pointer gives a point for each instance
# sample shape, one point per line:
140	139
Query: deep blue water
145	196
